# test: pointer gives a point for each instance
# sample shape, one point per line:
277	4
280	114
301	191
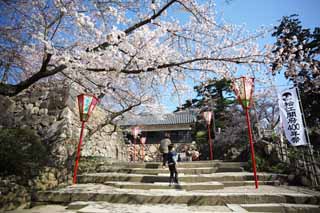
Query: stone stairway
207	184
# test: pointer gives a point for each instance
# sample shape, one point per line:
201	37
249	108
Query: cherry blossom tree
127	52
296	51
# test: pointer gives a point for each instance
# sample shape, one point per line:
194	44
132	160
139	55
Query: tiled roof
183	117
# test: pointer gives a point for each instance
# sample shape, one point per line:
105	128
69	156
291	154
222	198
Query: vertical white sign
291	117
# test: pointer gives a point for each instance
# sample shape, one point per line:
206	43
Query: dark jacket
172	158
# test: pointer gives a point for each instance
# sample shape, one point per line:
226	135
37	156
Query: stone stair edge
183	162
188	183
281	207
161	183
233	207
140	168
101	174
191	198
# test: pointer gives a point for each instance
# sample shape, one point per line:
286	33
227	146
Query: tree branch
11	90
109	120
139	24
237	60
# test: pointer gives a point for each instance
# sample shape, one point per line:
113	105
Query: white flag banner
290	115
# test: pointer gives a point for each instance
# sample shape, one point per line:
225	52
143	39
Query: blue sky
257	13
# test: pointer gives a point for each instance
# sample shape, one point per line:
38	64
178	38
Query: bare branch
113	116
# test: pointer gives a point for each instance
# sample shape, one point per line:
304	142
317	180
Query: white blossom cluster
294	54
133	50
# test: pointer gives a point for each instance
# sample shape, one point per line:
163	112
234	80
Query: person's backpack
172	158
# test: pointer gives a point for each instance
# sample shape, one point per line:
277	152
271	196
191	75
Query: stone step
186	186
236	176
103	207
200	170
230	195
281	207
162	185
229	169
192	164
249	183
96	207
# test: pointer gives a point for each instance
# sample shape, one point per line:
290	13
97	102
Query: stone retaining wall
51	110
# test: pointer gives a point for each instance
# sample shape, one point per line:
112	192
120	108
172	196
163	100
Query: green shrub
280	168
261	164
201	134
21	152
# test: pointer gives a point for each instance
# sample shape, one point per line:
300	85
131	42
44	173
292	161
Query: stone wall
107	143
51	110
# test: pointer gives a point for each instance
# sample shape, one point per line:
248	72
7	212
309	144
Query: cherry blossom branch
113	116
139	24
236	60
11	90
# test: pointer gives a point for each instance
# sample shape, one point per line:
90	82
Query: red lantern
243	88
86	105
208	116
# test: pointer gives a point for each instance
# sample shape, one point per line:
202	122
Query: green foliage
217	95
213	95
21	152
218	91
280	168
263	164
201	135
201	138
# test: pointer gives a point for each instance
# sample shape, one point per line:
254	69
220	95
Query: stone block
34	99
5	104
35	110
66	114
43	111
28	107
44	95
24	100
45	121
44	104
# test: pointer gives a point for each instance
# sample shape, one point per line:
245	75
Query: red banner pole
252	149
78	155
142	152
134	148
210	143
